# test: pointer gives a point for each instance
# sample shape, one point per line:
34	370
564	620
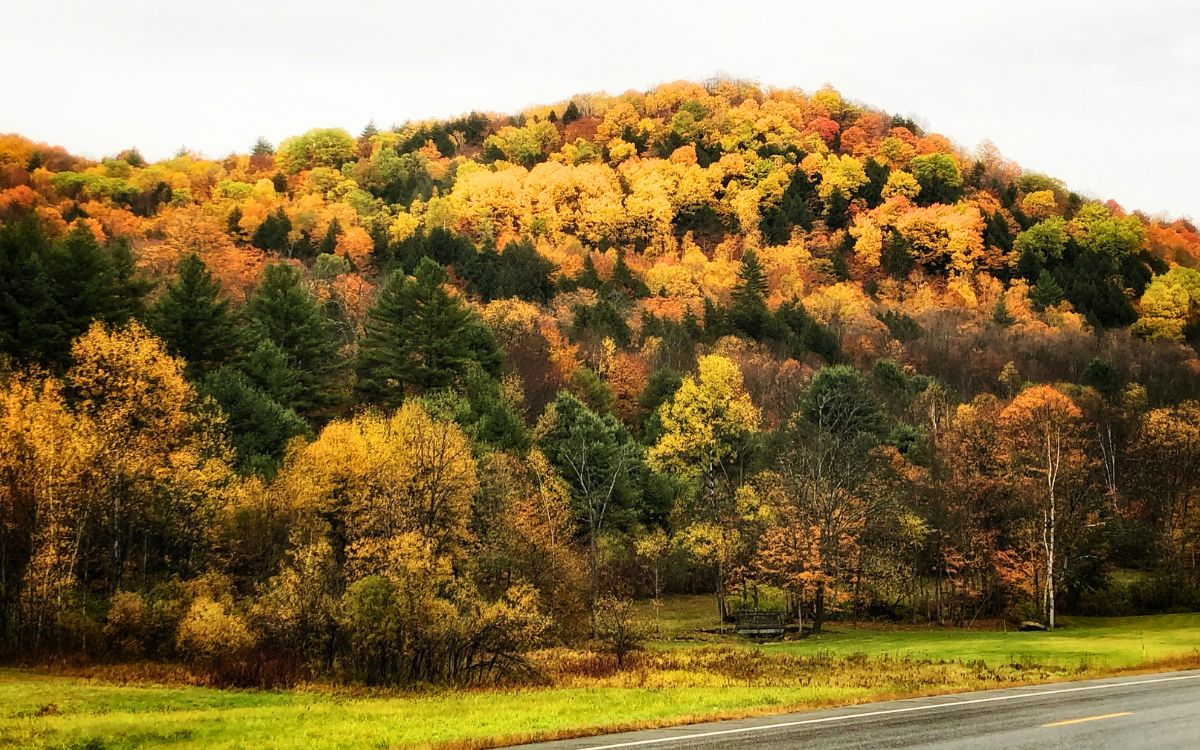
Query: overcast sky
1102	93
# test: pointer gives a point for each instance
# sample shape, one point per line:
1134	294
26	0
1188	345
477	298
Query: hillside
270	411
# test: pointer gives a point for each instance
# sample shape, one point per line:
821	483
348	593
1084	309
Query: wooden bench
758	623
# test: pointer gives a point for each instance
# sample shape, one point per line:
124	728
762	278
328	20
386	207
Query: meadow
1090	642
676	679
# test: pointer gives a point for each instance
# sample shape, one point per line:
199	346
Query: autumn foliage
401	407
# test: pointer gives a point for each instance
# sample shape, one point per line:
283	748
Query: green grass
1116	642
1119	642
676	681
680	616
37	711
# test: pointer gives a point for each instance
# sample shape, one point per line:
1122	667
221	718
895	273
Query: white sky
1102	93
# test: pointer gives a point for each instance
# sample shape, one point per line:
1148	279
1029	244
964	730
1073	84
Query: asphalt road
1146	711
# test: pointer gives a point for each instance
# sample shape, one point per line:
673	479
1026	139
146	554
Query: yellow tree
526	145
841	176
583	201
1166	455
47	468
789	550
526	532
708	429
160	462
1041	429
384	476
1171	305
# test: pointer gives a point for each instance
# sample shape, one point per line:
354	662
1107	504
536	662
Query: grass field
1116	642
674	682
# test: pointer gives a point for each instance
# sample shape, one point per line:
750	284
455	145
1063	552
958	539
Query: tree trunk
593	579
1050	592
800	613
722	609
819	608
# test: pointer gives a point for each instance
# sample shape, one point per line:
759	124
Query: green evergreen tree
1000	314
258	427
623	280
267	368
839	401
262	147
748	314
94	282
284	312
521	271
588	278
272	234
328	245
1047	292
571	113
194	322
304	249
600	463
233	221
482	411
30	325
419	337
51	291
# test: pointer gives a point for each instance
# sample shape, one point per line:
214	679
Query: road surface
1146	711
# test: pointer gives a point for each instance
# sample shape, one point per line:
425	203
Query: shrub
128	626
618	625
212	636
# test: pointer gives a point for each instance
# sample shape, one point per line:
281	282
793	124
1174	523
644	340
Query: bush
618	625
1025	610
128	626
211	636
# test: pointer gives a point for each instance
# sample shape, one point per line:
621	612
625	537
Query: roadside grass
673	682
659	689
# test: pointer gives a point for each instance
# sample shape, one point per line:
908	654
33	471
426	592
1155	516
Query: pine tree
51	291
262	147
420	337
266	367
258	426
1047	292
329	243
304	249
283	312
571	113
752	284
272	234
588	278
233	222
29	328
623	279
748	313
194	322
1000	314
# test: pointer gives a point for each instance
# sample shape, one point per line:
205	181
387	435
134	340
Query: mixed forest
400	406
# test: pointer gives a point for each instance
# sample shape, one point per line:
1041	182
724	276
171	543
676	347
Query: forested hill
749	339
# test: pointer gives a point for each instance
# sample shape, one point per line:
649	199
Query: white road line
886	712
